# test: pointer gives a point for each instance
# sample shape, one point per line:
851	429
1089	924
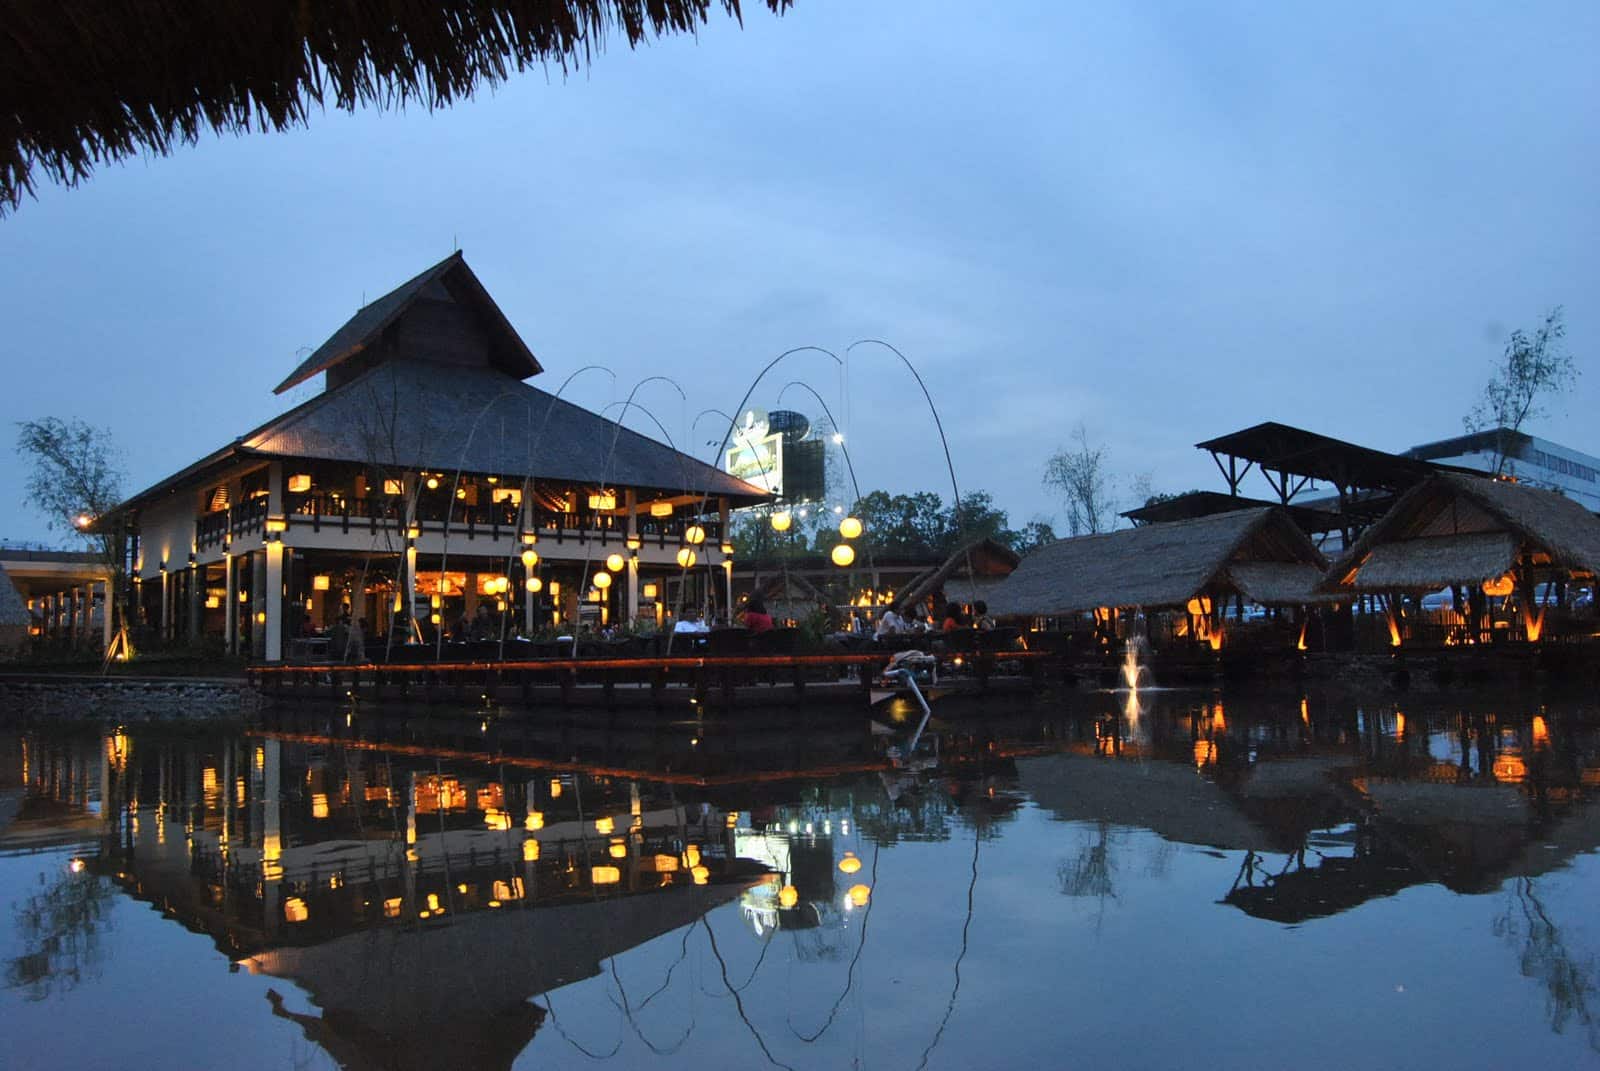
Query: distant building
1531	460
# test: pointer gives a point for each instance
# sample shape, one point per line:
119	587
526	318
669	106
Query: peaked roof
1455	529
405	414
511	355
1161	565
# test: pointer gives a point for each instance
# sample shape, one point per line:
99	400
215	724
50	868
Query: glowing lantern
859	895
850	528
603	500
694	535
781	521
649	591
535	820
299	482
618	849
433	483
533	584
530	558
661	509
843	555
701	875
529	539
605	875
615	563
604	825
687	557
1500	586
602	580
530	851
788	896
691	855
849	864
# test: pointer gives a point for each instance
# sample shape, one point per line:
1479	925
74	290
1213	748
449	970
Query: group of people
955	616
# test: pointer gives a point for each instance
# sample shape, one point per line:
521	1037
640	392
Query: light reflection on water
1166	878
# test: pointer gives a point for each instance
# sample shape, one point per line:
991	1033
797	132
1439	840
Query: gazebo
1496	544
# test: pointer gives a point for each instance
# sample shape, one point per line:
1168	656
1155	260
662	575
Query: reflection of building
425	480
420	907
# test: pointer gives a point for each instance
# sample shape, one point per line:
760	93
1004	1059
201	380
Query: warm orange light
1510	768
605	875
700	874
319	805
295	910
1199	606
1541	732
1300	644
687	557
661	509
781	521
1500	586
665	864
602	580
496	819
1204	752
1399	725
603	500
530	850
300	482
691	856
850	528
1394	629
530	558
694	535
604	825
615	562
859	895
618	849
843	555
555	788
534	821
788	896
1535	625
849	864
391	908
649	591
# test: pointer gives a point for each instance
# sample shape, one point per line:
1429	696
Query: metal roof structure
1292	458
1194	504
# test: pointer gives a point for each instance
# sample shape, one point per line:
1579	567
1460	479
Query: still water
1185	881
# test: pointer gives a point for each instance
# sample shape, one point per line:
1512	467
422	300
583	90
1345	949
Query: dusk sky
1167	221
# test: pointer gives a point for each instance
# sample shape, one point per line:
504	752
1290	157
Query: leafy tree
1033	535
74	479
978	518
905	525
1077	472
1531	367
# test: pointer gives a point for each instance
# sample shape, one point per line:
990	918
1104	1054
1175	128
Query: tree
977	518
1532	367
73	480
1033	535
1077	472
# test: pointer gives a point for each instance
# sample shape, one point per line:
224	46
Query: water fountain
1135	674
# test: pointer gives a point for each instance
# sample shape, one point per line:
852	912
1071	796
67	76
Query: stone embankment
61	698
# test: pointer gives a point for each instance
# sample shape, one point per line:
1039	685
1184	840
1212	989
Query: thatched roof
448	282
1456	529
88	82
982	558
1164	565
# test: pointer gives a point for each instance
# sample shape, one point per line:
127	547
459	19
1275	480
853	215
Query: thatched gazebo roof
87	82
981	563
1456	529
1258	553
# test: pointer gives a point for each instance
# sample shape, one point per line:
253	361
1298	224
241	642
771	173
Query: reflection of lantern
694	535
530	851
533	584
535	820
604	825
781	521
633	542
615	563
605	875
1199	606
850	528
649	591
788	896
619	849
701	875
843	555
859	895
602	580
687	557
530	558
849	864
1500	586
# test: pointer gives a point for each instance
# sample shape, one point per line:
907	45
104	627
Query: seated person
980	611
689	621
756	618
890	624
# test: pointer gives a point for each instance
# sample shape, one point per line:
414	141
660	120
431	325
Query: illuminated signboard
754	454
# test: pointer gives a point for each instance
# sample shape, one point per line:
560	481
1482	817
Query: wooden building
424	481
1196	567
1499	545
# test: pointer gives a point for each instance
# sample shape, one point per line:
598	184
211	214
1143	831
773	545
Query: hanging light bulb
530	558
843	555
781	521
534	584
850	528
602	580
687	557
694	535
615	563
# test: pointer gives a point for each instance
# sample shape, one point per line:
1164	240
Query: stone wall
45	697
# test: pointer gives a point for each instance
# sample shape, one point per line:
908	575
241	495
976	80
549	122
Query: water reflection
418	896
